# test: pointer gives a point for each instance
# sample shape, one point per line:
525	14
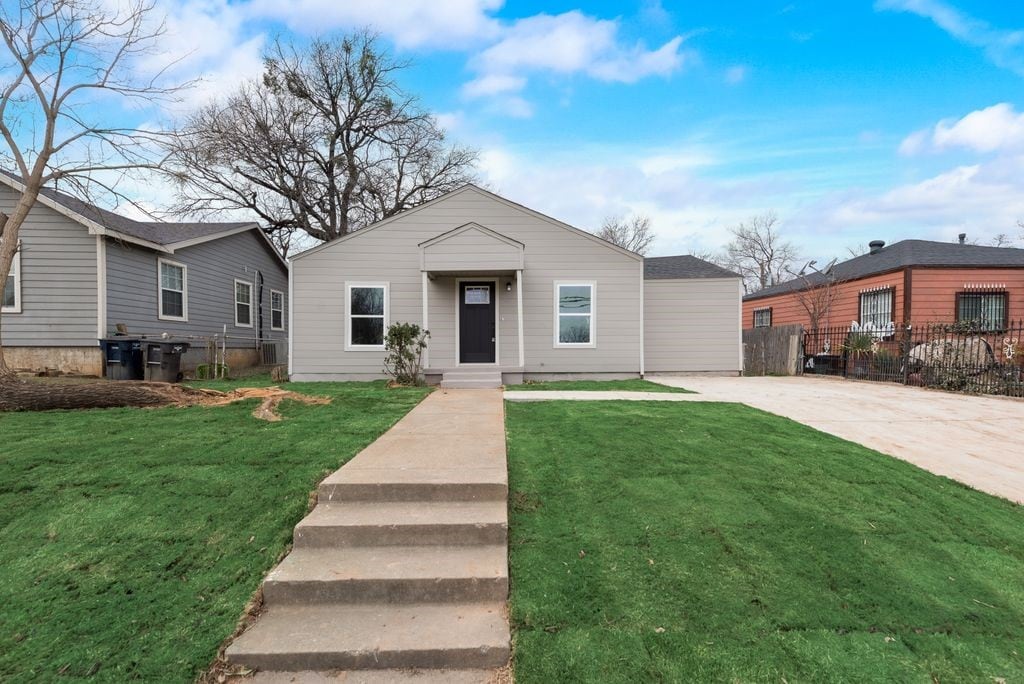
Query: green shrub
404	344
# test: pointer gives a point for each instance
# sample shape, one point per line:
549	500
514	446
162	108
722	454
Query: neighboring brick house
911	281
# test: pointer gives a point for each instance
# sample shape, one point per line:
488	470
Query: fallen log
19	395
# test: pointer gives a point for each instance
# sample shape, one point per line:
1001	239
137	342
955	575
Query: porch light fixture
508	287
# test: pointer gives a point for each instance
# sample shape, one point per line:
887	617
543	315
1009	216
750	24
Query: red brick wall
786	308
934	290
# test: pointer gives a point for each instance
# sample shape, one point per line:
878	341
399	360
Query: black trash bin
163	360
123	358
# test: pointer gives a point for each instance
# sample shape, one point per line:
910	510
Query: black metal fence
961	357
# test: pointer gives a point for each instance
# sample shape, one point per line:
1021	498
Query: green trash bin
163	360
123	357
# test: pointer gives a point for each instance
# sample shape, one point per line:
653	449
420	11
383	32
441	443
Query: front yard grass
131	539
656	541
631	385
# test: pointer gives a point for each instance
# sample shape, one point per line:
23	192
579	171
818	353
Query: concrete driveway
976	440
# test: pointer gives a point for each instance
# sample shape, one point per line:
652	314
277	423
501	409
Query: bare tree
634	233
817	294
59	57
324	143
758	253
1002	240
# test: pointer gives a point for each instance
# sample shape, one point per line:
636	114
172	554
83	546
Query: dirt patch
271	396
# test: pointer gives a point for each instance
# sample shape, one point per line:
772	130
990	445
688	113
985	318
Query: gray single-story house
508	294
81	273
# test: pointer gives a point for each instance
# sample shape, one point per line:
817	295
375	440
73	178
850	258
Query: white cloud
408	23
735	74
493	84
998	128
573	42
1005	48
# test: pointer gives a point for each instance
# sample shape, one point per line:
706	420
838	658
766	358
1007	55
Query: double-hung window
276	310
10	296
876	307
173	291
243	304
763	318
986	310
367	316
575	320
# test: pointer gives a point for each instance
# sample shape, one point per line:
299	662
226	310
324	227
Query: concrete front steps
402	566
476	379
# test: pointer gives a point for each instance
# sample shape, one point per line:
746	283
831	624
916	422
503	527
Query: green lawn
130	539
712	542
633	385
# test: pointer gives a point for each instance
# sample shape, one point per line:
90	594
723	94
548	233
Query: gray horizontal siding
212	267
692	325
391	253
58	281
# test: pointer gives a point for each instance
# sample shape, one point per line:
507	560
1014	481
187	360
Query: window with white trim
276	310
367	315
876	307
243	304
763	318
985	310
10	302
173	305
574	314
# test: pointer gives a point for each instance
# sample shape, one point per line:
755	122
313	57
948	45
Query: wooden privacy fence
772	351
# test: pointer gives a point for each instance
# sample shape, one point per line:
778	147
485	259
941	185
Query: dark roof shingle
683	266
157	232
901	255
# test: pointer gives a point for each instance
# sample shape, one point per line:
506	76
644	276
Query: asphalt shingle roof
157	232
903	254
683	266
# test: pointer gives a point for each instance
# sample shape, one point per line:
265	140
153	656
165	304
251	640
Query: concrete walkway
401	570
977	440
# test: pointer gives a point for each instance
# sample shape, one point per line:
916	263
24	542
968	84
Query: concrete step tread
375	636
453	375
391	563
405	513
470	384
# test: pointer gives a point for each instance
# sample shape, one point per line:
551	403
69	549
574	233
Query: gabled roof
161	236
467	227
904	254
684	266
469	187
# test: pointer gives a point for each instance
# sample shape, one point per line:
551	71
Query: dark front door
476	322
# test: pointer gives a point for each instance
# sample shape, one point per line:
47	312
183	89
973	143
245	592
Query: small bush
404	344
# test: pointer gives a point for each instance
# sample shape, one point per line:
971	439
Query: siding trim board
101	287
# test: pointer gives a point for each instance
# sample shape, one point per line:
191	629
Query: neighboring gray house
81	272
508	294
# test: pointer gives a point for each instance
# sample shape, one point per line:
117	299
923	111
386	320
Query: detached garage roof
682	267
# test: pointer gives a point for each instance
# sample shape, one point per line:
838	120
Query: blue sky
852	120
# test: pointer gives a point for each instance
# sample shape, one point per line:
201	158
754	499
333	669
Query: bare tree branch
758	253
324	143
634	233
60	50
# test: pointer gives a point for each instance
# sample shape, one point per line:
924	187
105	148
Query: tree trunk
10	231
19	395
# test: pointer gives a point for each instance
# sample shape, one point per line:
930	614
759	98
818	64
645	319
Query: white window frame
234	297
160	290
592	284
272	309
889	292
766	309
349	315
16	272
